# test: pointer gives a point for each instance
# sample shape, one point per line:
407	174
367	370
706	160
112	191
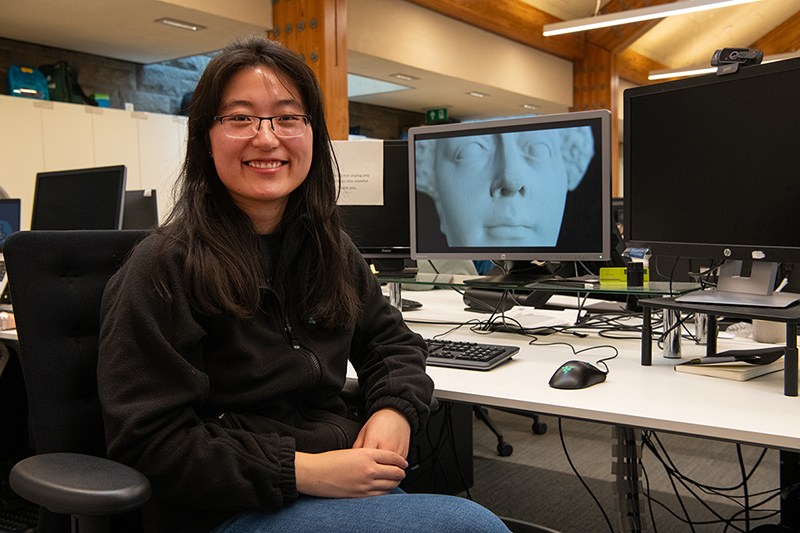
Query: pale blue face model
509	189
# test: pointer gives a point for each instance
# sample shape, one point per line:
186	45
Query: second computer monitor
141	210
535	188
88	198
9	218
381	232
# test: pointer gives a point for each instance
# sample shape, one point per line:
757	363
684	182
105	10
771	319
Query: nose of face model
509	178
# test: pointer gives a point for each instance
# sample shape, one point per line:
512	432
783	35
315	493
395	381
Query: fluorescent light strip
180	24
636	15
677	73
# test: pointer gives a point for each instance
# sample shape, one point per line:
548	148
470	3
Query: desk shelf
788	315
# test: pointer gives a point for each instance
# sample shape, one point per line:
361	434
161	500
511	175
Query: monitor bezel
703	250
120	172
563	120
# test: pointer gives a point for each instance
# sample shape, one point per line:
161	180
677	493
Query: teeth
262	164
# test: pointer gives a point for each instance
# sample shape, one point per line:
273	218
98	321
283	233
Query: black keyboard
468	355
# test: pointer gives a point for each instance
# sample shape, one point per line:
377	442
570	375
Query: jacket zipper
294	340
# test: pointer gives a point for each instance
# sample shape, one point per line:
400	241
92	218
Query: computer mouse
577	375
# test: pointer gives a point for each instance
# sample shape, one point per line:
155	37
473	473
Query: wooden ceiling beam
616	39
635	67
512	19
783	39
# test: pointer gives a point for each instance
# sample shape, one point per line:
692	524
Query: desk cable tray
467	355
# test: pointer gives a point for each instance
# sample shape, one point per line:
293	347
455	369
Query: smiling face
501	190
262	171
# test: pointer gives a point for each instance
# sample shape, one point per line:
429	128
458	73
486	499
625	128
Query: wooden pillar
596	86
316	29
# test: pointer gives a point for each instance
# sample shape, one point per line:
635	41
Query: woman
225	336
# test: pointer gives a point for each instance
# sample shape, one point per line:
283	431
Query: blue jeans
393	513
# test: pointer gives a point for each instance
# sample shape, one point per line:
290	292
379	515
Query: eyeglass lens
247	126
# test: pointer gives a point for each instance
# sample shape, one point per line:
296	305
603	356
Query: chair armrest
71	483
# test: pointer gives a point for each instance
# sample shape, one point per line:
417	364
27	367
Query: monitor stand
514	274
738	287
394	268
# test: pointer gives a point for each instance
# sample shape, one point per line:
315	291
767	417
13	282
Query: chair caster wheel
504	449
539	428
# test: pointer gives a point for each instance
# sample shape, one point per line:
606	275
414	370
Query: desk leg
790	361
790	490
711	336
672	336
395	296
627	485
647	338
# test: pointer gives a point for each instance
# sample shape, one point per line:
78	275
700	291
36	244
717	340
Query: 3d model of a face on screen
503	189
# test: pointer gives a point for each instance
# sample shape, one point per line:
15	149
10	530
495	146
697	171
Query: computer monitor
381	232
141	210
87	198
711	171
512	190
9	218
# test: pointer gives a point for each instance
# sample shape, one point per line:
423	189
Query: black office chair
57	279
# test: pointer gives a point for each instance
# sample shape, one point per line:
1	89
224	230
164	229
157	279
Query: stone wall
160	87
155	88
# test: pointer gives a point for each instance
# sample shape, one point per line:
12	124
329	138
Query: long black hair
224	258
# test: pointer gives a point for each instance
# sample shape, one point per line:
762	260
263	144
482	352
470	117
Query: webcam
729	59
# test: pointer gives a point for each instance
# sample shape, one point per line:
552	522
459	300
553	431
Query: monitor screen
525	189
9	218
711	165
141	210
88	198
381	231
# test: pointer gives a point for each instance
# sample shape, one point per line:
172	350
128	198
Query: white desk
633	396
654	397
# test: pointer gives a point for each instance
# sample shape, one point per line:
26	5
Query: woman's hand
386	429
353	473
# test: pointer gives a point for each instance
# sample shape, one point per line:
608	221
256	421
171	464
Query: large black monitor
711	168
381	232
141	210
512	190
87	198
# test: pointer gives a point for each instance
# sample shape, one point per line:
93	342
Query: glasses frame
220	118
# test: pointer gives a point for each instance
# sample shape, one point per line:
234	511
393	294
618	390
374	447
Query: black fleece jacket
212	408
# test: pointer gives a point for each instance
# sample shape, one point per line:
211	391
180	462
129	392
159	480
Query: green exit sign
435	115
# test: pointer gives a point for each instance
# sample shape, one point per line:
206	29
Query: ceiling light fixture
180	24
530	106
635	15
476	94
404	77
699	69
679	72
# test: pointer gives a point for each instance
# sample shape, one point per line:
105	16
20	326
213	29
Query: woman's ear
577	149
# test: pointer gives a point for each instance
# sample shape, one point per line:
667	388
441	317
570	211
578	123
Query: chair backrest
57	280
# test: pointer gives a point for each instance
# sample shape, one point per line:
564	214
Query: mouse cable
582	350
580	478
